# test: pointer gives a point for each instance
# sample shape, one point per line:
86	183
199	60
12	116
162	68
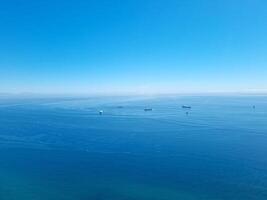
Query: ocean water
62	149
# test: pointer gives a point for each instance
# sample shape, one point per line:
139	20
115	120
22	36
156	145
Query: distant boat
119	106
148	109
100	112
185	106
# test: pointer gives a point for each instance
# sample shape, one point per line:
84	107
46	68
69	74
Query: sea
62	148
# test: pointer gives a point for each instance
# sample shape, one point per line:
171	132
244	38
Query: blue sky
134	46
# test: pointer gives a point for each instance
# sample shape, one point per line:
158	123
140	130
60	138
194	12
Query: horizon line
122	94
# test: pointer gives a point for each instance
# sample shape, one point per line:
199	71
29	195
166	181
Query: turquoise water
62	149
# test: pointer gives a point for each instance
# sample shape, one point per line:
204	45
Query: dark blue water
62	149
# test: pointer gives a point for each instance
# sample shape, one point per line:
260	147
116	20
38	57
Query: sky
133	46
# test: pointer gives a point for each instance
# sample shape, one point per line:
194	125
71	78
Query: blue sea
60	148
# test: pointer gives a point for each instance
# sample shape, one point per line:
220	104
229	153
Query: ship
185	106
148	109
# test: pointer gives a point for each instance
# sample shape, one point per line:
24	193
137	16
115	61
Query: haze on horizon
133	47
